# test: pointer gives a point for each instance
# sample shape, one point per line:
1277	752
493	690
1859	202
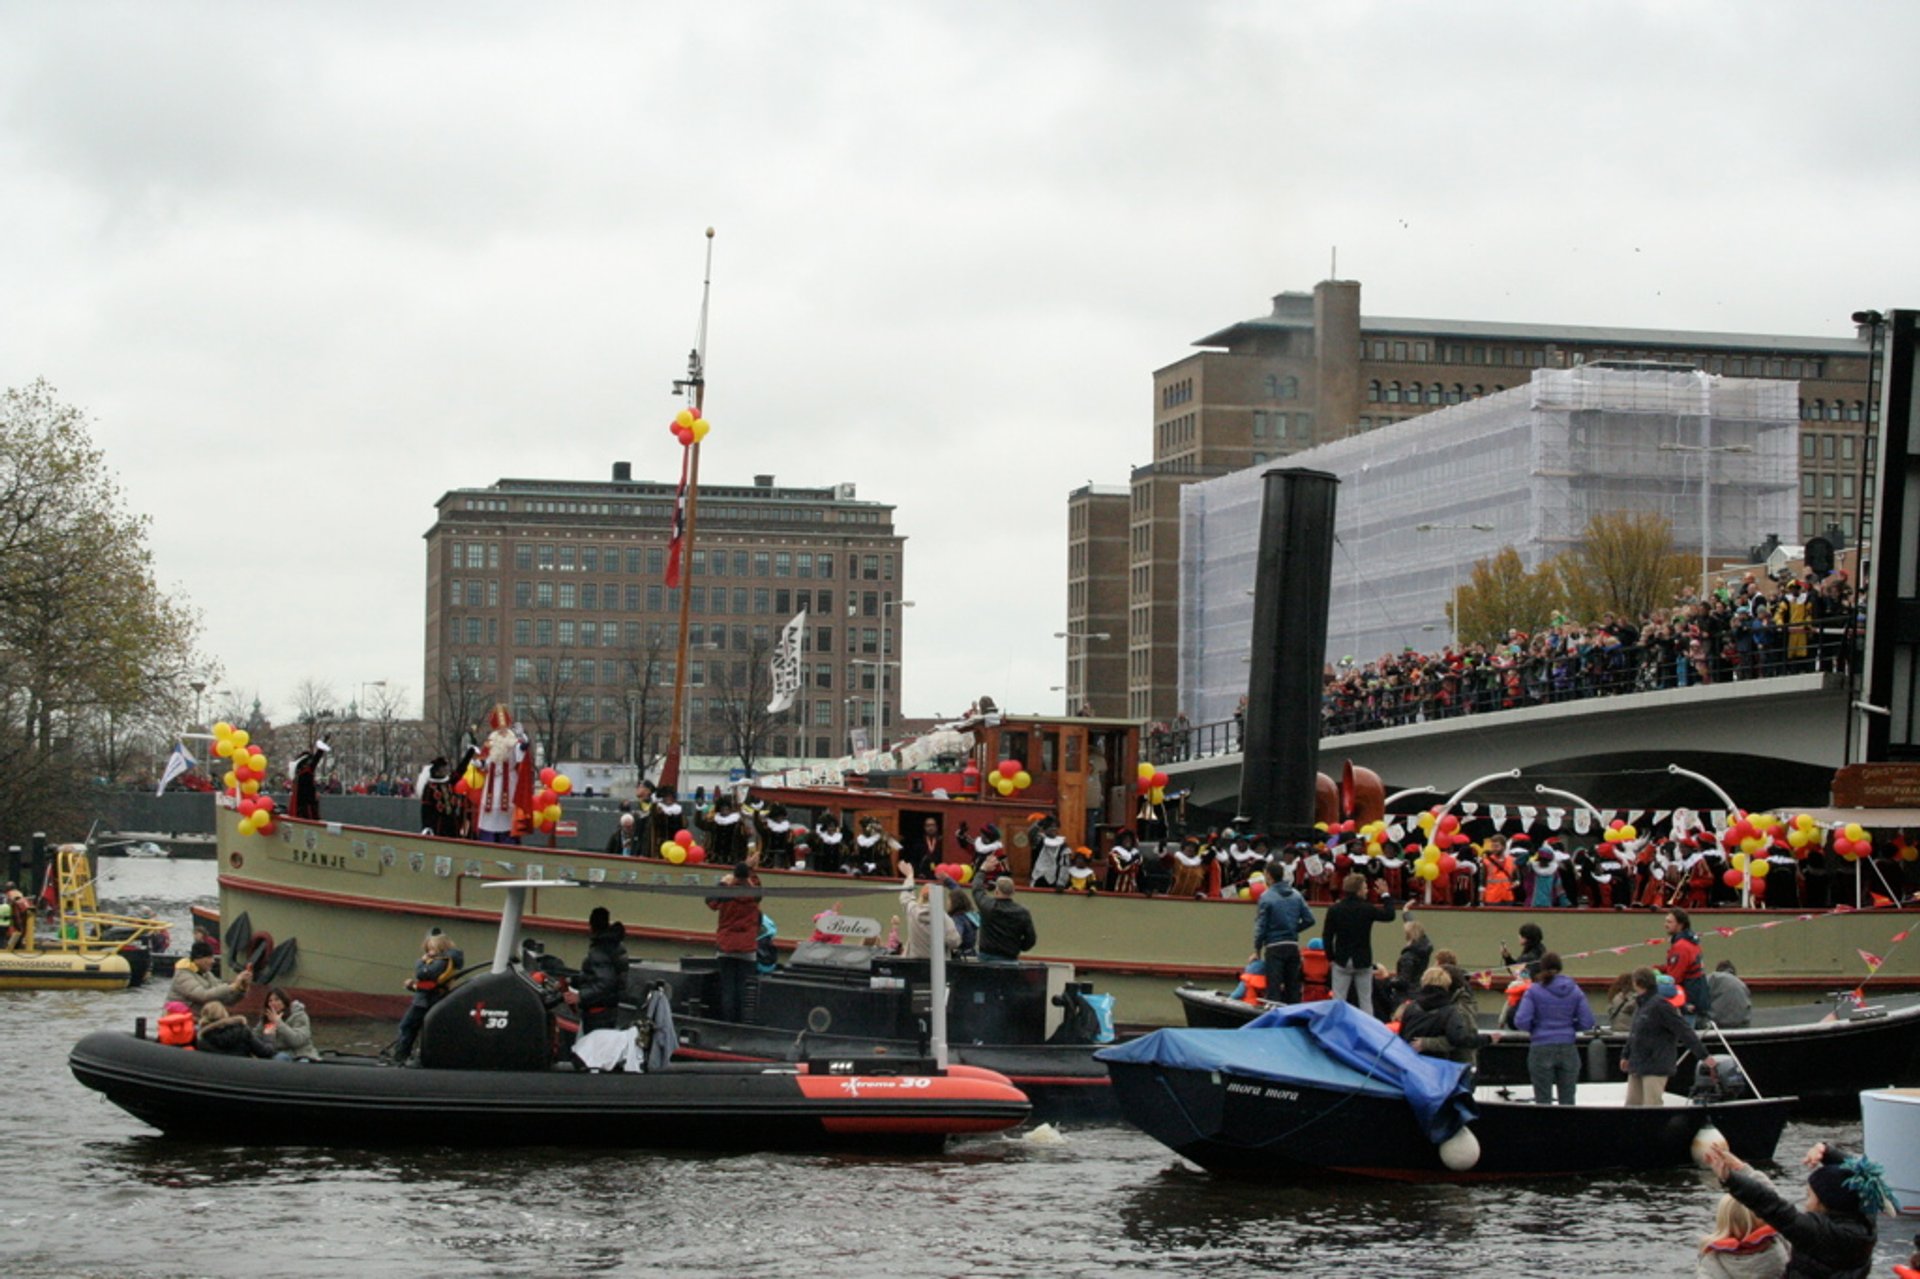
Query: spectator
1741	1246
1006	927
737	939
1727	995
228	1033
1834	1232
1349	939
1655	1040
439	960
287	1028
1553	1012
195	985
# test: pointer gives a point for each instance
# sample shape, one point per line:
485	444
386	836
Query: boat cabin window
1013	745
1049	754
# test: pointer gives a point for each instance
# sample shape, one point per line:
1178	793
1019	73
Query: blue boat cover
1324	1044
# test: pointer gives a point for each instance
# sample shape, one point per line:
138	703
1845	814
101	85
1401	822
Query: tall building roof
1570	334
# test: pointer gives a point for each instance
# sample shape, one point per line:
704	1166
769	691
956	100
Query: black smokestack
1280	752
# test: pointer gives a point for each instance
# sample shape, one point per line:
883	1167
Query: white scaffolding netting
1536	463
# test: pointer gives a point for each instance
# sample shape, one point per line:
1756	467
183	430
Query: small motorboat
488	1076
1890	1118
1322	1088
80	947
1028	1021
1825	1054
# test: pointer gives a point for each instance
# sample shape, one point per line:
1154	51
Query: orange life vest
1499	880
176	1029
1256	984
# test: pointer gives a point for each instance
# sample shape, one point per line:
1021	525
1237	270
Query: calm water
95	1192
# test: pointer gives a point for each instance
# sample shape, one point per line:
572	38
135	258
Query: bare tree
384	712
462	701
551	701
313	701
647	699
745	689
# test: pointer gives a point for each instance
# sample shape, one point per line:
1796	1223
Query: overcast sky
308	267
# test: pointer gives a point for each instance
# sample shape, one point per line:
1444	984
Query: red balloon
1160	779
1009	768
1448	863
1732	878
1254	891
684	838
1449	824
1144	785
247	806
547	775
696	855
269	828
266	802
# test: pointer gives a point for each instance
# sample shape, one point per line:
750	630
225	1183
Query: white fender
1461	1151
1705	1139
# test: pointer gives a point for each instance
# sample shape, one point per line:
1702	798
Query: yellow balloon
552	812
223	729
239	738
231	780
1428	870
249	788
562	784
1629	832
1855	831
1426	821
223	748
700	430
684	418
1740	859
1156	796
673	853
1760	868
1022	779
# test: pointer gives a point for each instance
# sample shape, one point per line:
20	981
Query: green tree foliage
94	657
1624	564
1502	594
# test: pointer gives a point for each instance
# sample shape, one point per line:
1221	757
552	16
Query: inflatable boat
489	1075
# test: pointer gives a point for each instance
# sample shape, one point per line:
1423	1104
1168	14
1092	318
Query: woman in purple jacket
1553	1012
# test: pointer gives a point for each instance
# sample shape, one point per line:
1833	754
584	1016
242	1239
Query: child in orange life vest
177	1026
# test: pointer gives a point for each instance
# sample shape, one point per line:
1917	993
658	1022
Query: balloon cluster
1750	834
1616	834
681	848
1373	834
470	781
248	768
688	427
546	800
1804	835
1252	890
1008	776
1151	782
1852	842
958	872
1443	832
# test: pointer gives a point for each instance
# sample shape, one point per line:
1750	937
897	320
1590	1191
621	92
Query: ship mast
694	387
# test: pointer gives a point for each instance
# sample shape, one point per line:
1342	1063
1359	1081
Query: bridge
1768	742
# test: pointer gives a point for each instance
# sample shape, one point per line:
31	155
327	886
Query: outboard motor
493	1022
1722	1081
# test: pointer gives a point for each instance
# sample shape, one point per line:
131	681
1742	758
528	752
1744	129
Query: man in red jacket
737	937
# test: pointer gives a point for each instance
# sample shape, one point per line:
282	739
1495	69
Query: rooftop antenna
1333	263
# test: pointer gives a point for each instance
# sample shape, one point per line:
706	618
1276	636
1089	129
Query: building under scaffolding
1527	468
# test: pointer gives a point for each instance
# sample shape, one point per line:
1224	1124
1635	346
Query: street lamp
880	689
1453	574
1706	490
1078	684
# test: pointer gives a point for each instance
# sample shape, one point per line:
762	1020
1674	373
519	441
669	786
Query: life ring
260	952
819	1019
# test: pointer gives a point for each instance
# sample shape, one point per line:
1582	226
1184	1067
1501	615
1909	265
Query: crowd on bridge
1748	629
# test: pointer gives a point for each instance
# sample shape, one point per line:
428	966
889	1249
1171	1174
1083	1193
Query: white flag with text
786	663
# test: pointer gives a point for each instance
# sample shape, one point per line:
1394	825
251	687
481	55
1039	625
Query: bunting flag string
1484	978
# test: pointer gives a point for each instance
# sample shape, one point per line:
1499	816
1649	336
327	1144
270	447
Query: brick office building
1315	369
550	596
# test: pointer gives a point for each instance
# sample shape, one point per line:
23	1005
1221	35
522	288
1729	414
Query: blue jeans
1554	1069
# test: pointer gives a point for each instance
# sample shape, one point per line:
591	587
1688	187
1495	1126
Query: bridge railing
1427	693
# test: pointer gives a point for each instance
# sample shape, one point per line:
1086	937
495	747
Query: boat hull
1824	1062
61	970
1891	1120
372	893
1246	1127
362	1102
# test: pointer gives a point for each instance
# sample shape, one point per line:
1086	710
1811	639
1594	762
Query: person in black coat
1395	988
603	973
1653	1043
1834	1233
1348	936
1006	927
